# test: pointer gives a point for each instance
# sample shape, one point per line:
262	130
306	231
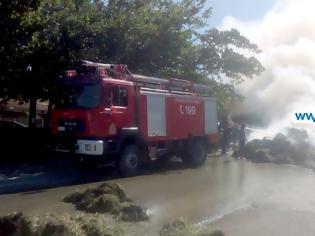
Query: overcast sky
241	9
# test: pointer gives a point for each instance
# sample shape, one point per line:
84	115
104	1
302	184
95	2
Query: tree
155	37
218	55
58	33
14	38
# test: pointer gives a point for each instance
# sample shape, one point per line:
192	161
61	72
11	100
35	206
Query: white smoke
286	35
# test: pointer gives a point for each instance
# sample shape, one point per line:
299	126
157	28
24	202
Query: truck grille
70	126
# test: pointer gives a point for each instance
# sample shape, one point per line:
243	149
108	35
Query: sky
240	9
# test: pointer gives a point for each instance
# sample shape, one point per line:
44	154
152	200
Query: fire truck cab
104	111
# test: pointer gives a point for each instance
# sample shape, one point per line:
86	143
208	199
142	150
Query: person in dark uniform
226	134
235	134
242	139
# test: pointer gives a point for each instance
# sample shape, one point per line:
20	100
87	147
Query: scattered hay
91	228
55	226
56	229
106	188
107	203
80	225
114	189
98	225
107	198
74	198
176	227
15	224
180	227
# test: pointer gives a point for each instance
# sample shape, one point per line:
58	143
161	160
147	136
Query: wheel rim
132	161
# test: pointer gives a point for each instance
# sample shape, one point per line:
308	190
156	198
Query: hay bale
255	146
258	144
73	198
56	229
283	159
281	145
133	213
83	203
52	225
83	199
98	225
112	188
107	198
91	228
56	225
107	203
297	135
261	156
15	224
291	149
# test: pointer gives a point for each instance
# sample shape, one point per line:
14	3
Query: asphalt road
237	196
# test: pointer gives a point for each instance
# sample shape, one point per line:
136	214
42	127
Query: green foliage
14	37
219	55
161	38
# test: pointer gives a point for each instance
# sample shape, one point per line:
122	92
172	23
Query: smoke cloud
286	35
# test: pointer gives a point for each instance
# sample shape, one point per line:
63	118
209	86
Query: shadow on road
37	176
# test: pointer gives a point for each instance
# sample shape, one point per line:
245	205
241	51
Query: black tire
129	161
196	155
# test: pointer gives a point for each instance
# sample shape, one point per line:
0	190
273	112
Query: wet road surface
237	196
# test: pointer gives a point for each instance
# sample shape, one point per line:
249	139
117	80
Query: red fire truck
106	112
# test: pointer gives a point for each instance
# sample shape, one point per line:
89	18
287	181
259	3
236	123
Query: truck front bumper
90	147
86	147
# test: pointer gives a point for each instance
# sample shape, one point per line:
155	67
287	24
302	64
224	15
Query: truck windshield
81	96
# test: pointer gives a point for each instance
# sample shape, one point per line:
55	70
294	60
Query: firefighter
226	133
242	139
235	134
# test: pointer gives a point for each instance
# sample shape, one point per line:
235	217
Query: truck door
121	107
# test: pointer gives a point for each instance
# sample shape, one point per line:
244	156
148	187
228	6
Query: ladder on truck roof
152	83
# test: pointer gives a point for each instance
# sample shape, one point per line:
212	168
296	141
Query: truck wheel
196	155
129	161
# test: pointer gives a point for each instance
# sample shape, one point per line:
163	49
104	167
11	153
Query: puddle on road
211	192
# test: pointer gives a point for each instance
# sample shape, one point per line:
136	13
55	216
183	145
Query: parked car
11	124
19	143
